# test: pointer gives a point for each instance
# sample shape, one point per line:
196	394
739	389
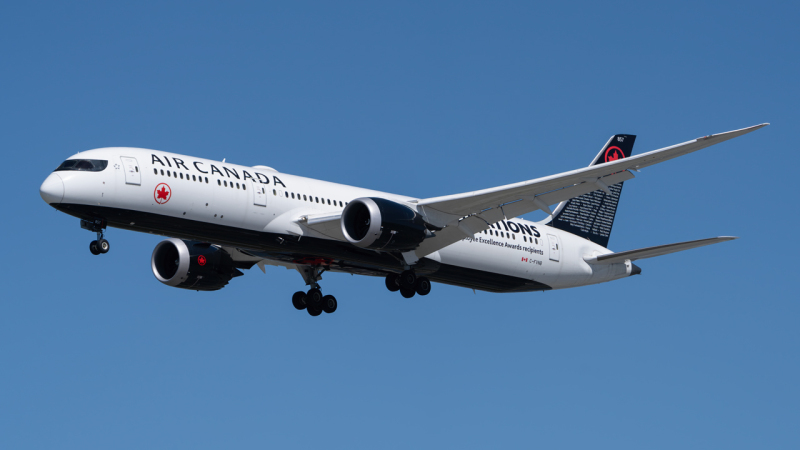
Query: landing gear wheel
408	279
93	248
314	298
299	300
406	292
103	246
329	304
314	310
393	282
423	286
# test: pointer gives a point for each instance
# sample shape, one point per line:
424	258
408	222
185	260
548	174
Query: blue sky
423	99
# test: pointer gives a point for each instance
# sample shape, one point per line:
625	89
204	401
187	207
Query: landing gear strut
408	283
313	301
97	226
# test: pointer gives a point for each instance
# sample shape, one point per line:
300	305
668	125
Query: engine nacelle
192	265
381	224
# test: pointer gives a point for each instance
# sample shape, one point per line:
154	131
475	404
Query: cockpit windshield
86	165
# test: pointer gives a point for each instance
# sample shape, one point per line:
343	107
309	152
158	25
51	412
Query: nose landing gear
99	246
97	226
408	283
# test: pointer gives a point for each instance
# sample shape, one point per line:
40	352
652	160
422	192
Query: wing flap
658	250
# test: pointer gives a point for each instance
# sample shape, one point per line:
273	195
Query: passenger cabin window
84	165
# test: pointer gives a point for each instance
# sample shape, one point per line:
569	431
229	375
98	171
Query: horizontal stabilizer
658	250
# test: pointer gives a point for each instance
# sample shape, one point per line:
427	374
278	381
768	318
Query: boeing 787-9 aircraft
221	218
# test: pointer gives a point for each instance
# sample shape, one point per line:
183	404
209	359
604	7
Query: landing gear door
555	250
259	194
132	173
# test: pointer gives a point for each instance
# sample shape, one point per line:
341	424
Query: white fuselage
246	207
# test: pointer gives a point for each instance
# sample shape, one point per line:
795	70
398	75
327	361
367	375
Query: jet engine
192	265
381	224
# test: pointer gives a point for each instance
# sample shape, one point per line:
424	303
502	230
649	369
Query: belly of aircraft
457	268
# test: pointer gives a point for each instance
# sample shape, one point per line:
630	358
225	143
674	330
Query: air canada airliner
220	218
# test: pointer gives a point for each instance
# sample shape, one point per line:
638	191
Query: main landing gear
97	226
313	301
408	283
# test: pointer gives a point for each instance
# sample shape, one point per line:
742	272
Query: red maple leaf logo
162	193
613	154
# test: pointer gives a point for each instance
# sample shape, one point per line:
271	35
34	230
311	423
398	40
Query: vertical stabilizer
591	215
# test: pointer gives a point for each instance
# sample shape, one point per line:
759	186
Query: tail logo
613	154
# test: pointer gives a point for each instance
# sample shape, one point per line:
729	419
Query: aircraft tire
408	279
314	298
299	300
103	246
423	286
314	311
329	304
93	248
406	292
393	282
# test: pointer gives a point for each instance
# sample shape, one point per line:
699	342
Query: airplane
222	218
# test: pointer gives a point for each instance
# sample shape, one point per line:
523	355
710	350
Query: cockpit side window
85	165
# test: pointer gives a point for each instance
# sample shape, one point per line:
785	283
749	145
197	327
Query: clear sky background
424	99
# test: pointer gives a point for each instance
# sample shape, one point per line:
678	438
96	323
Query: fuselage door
259	194
131	168
555	251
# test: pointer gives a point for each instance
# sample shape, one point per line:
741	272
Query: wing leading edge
468	213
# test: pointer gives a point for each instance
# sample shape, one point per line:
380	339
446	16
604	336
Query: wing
465	214
650	252
328	224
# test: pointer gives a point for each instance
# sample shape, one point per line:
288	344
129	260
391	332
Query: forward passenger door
131	168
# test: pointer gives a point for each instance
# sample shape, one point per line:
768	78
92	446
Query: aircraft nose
52	190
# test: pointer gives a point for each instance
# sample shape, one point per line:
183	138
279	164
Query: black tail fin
592	215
